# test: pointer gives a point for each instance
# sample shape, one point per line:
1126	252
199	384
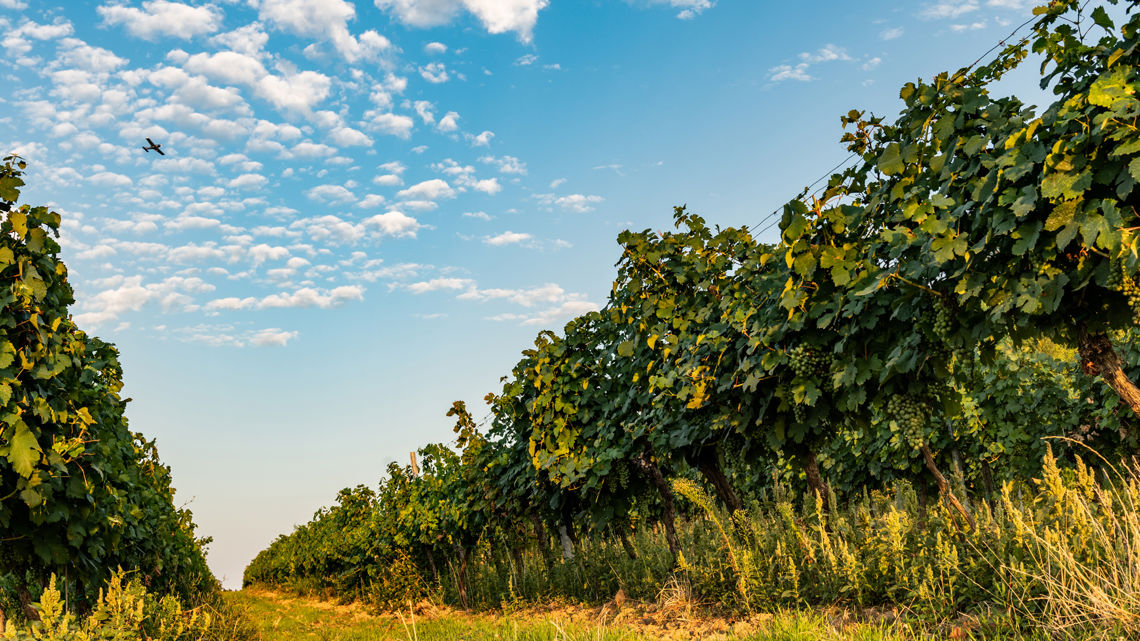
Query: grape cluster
799	413
1130	290
910	414
942	324
623	476
808	362
1115	280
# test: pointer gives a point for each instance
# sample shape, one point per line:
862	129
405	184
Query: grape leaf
23	451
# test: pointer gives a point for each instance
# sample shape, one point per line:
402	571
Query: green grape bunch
942	322
1115	279
623	476
808	362
799	413
910	414
1130	290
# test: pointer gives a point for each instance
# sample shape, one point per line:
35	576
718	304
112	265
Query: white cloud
80	55
487	186
449	122
388	180
425	110
227	66
161	18
435	73
349	137
266	129
248	181
580	203
973	26
326	20
788	72
331	193
393	223
261	253
309	297
249	40
482	140
110	178
193	253
506	164
507	238
122	294
947	9
433	189
272	337
298	92
828	53
689	9
497	16
437	284
230	303
435	48
891	34
872	63
481	215
331	229
371	201
548	293
799	71
57	29
397	125
312	150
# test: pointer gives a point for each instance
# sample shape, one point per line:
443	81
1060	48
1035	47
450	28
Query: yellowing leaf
19	222
1061	215
23	450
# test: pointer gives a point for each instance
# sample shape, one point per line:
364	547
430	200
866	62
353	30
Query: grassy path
282	617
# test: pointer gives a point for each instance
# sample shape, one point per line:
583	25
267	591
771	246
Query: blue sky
368	209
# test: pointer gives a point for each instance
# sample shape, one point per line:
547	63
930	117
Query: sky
367	209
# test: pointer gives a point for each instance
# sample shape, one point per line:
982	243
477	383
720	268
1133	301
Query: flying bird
154	147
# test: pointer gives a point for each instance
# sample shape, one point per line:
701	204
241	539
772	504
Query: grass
286	618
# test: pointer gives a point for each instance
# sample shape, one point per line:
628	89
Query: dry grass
1088	557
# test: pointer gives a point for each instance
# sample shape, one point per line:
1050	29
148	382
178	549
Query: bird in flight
154	147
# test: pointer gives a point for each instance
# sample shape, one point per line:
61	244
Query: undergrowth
1059	554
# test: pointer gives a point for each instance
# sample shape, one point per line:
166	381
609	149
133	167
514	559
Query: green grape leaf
891	161
10	188
31	497
1100	16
